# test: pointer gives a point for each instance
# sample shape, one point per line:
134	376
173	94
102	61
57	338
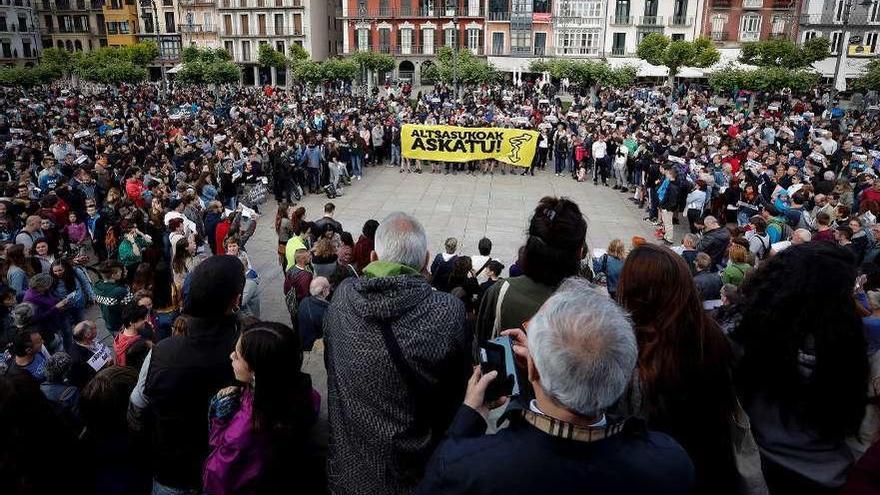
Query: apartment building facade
74	25
247	24
629	21
731	22
19	33
199	24
158	23
121	19
412	30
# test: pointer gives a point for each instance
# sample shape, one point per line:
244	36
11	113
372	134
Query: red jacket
361	255
220	235
134	189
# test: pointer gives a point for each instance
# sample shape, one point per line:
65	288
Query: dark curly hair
556	241
803	341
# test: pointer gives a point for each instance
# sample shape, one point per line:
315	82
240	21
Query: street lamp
152	4
451	4
840	83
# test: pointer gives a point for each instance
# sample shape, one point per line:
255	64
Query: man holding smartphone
579	356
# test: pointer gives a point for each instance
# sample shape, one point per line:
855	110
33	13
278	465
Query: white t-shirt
600	149
477	262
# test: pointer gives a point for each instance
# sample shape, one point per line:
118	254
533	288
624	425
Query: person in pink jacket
259	429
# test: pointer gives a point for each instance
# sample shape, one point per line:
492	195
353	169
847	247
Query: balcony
251	4
197	3
409	12
498	16
279	31
681	21
196	28
620	20
651	20
618	51
752	4
719	36
779	36
721	4
749	36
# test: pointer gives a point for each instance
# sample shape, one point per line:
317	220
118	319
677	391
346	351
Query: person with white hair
579	356
311	312
398	356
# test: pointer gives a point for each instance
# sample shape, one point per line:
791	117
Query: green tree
296	54
869	80
338	69
114	65
142	53
657	49
784	53
306	72
57	59
268	57
769	79
207	66
467	68
587	74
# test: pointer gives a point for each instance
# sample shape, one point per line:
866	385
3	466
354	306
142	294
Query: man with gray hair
311	312
579	357
398	355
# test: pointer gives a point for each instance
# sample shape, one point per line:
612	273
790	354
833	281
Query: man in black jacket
181	374
563	439
714	242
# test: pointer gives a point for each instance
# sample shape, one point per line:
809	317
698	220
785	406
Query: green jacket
735	273
521	301
381	268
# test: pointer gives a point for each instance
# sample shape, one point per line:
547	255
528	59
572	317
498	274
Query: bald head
801	236
320	286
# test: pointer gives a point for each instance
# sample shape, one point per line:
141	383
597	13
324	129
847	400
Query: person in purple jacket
259	429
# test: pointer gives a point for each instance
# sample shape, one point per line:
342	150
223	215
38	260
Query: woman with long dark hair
259	427
683	385
804	372
18	270
70	280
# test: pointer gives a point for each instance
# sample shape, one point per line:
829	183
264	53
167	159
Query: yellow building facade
121	20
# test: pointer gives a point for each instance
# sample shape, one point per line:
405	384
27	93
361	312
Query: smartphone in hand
497	355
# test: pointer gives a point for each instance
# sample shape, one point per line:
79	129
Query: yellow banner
447	143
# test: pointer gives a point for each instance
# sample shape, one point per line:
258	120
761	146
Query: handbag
746	455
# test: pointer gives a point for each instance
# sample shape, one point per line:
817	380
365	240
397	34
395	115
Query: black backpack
440	277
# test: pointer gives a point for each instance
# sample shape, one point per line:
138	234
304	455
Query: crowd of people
739	357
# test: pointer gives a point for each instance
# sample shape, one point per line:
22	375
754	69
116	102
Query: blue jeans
357	165
395	154
314	178
560	162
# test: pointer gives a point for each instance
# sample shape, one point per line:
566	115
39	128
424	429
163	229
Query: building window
777	26
227	26
245	51
449	38
719	21
363	44
580	8
230	48
111	28
473	40
750	27
621	10
871	41
279	47
577	43
245	28
208	20
808	35
385	40
838	10
875	12
497	43
261	24
279	24
169	22
678	37
618	46
428	41
406	41
540	44
836	42
26	48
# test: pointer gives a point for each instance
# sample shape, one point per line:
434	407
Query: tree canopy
466	68
785	53
269	57
657	49
869	80
587	73
207	66
114	65
375	62
763	79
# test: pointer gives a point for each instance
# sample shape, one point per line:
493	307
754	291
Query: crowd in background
741	359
